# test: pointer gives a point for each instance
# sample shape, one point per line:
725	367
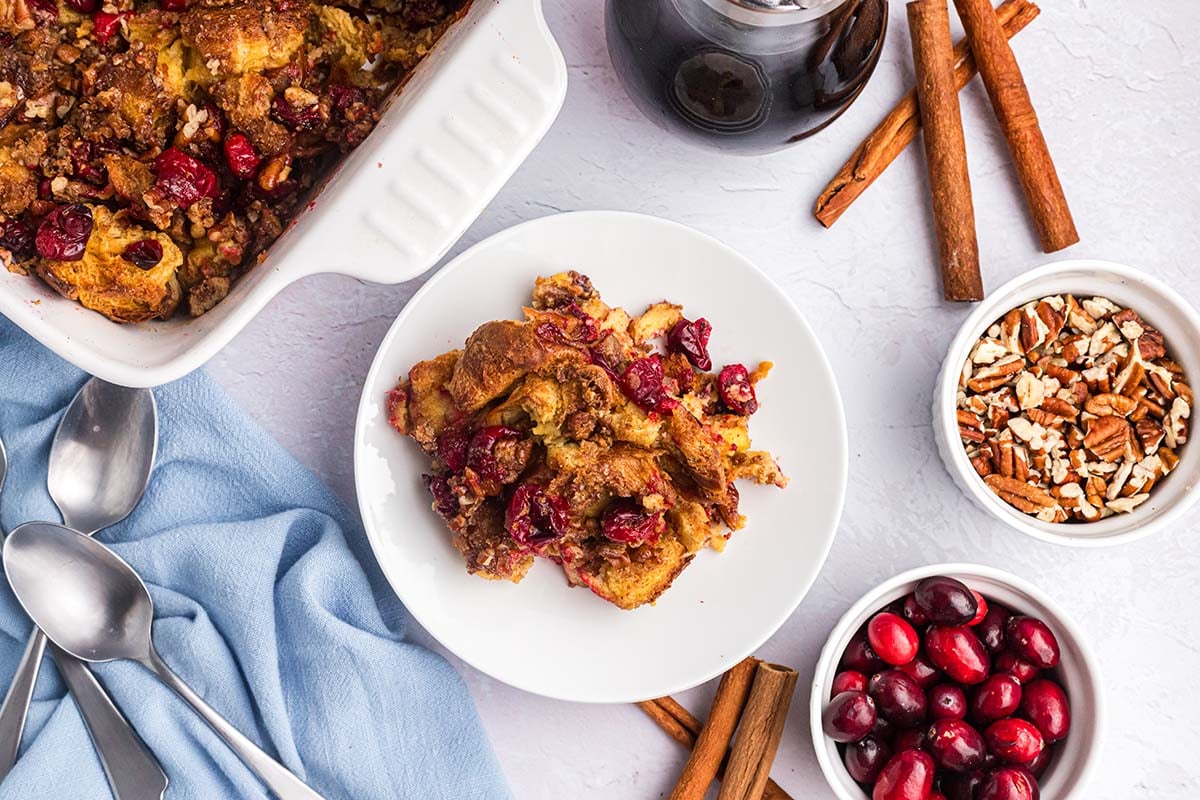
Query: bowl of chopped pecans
1064	405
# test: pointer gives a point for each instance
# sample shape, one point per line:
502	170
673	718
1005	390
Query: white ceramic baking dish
471	113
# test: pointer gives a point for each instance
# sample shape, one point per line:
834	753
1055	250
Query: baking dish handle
471	114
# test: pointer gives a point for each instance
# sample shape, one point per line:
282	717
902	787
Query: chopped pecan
1107	405
996	375
1053	318
1020	494
1107	437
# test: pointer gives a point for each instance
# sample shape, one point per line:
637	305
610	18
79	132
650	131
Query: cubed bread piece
496	356
104	281
18	185
246	100
655	321
351	42
131	103
638	582
251	36
429	406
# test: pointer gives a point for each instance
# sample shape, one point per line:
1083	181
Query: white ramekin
1162	307
1075	756
445	145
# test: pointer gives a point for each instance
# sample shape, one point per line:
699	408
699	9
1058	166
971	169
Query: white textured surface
1115	82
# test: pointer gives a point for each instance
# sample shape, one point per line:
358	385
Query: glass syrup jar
745	76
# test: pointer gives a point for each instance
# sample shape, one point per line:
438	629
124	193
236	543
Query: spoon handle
16	702
132	770
284	784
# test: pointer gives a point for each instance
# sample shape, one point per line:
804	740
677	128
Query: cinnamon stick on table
759	733
1014	109
899	128
682	726
945	150
713	740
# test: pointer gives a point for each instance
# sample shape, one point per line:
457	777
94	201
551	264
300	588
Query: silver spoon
100	463
93	605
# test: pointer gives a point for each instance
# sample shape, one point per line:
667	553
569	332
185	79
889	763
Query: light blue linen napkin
262	606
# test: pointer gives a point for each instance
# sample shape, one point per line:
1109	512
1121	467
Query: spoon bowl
103	455
107	613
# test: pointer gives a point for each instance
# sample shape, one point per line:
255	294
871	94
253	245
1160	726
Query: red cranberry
643	384
83	6
481	452
1008	783
991	629
1020	669
304	118
945	600
957	652
17	238
898	697
344	96
691	339
575	326
104	25
922	670
625	521
996	698
892	638
143	254
955	745
981	609
452	446
849	717
866	758
848	681
913	613
884	729
184	178
535	518
910	739
1045	705
1014	740
961	785
175	5
737	393
1033	641
445	502
936	795
947	701
241	156
908	776
64	233
860	657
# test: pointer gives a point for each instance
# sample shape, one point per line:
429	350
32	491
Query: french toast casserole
570	436
150	152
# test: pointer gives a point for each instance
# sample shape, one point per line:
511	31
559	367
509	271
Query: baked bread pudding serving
150	152
569	436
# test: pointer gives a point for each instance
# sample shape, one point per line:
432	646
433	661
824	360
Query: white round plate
541	635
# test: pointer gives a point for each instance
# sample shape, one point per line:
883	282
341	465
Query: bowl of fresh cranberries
956	682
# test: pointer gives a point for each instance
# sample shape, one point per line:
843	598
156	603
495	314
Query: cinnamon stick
899	128
713	740
1014	110
759	733
682	726
945	150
